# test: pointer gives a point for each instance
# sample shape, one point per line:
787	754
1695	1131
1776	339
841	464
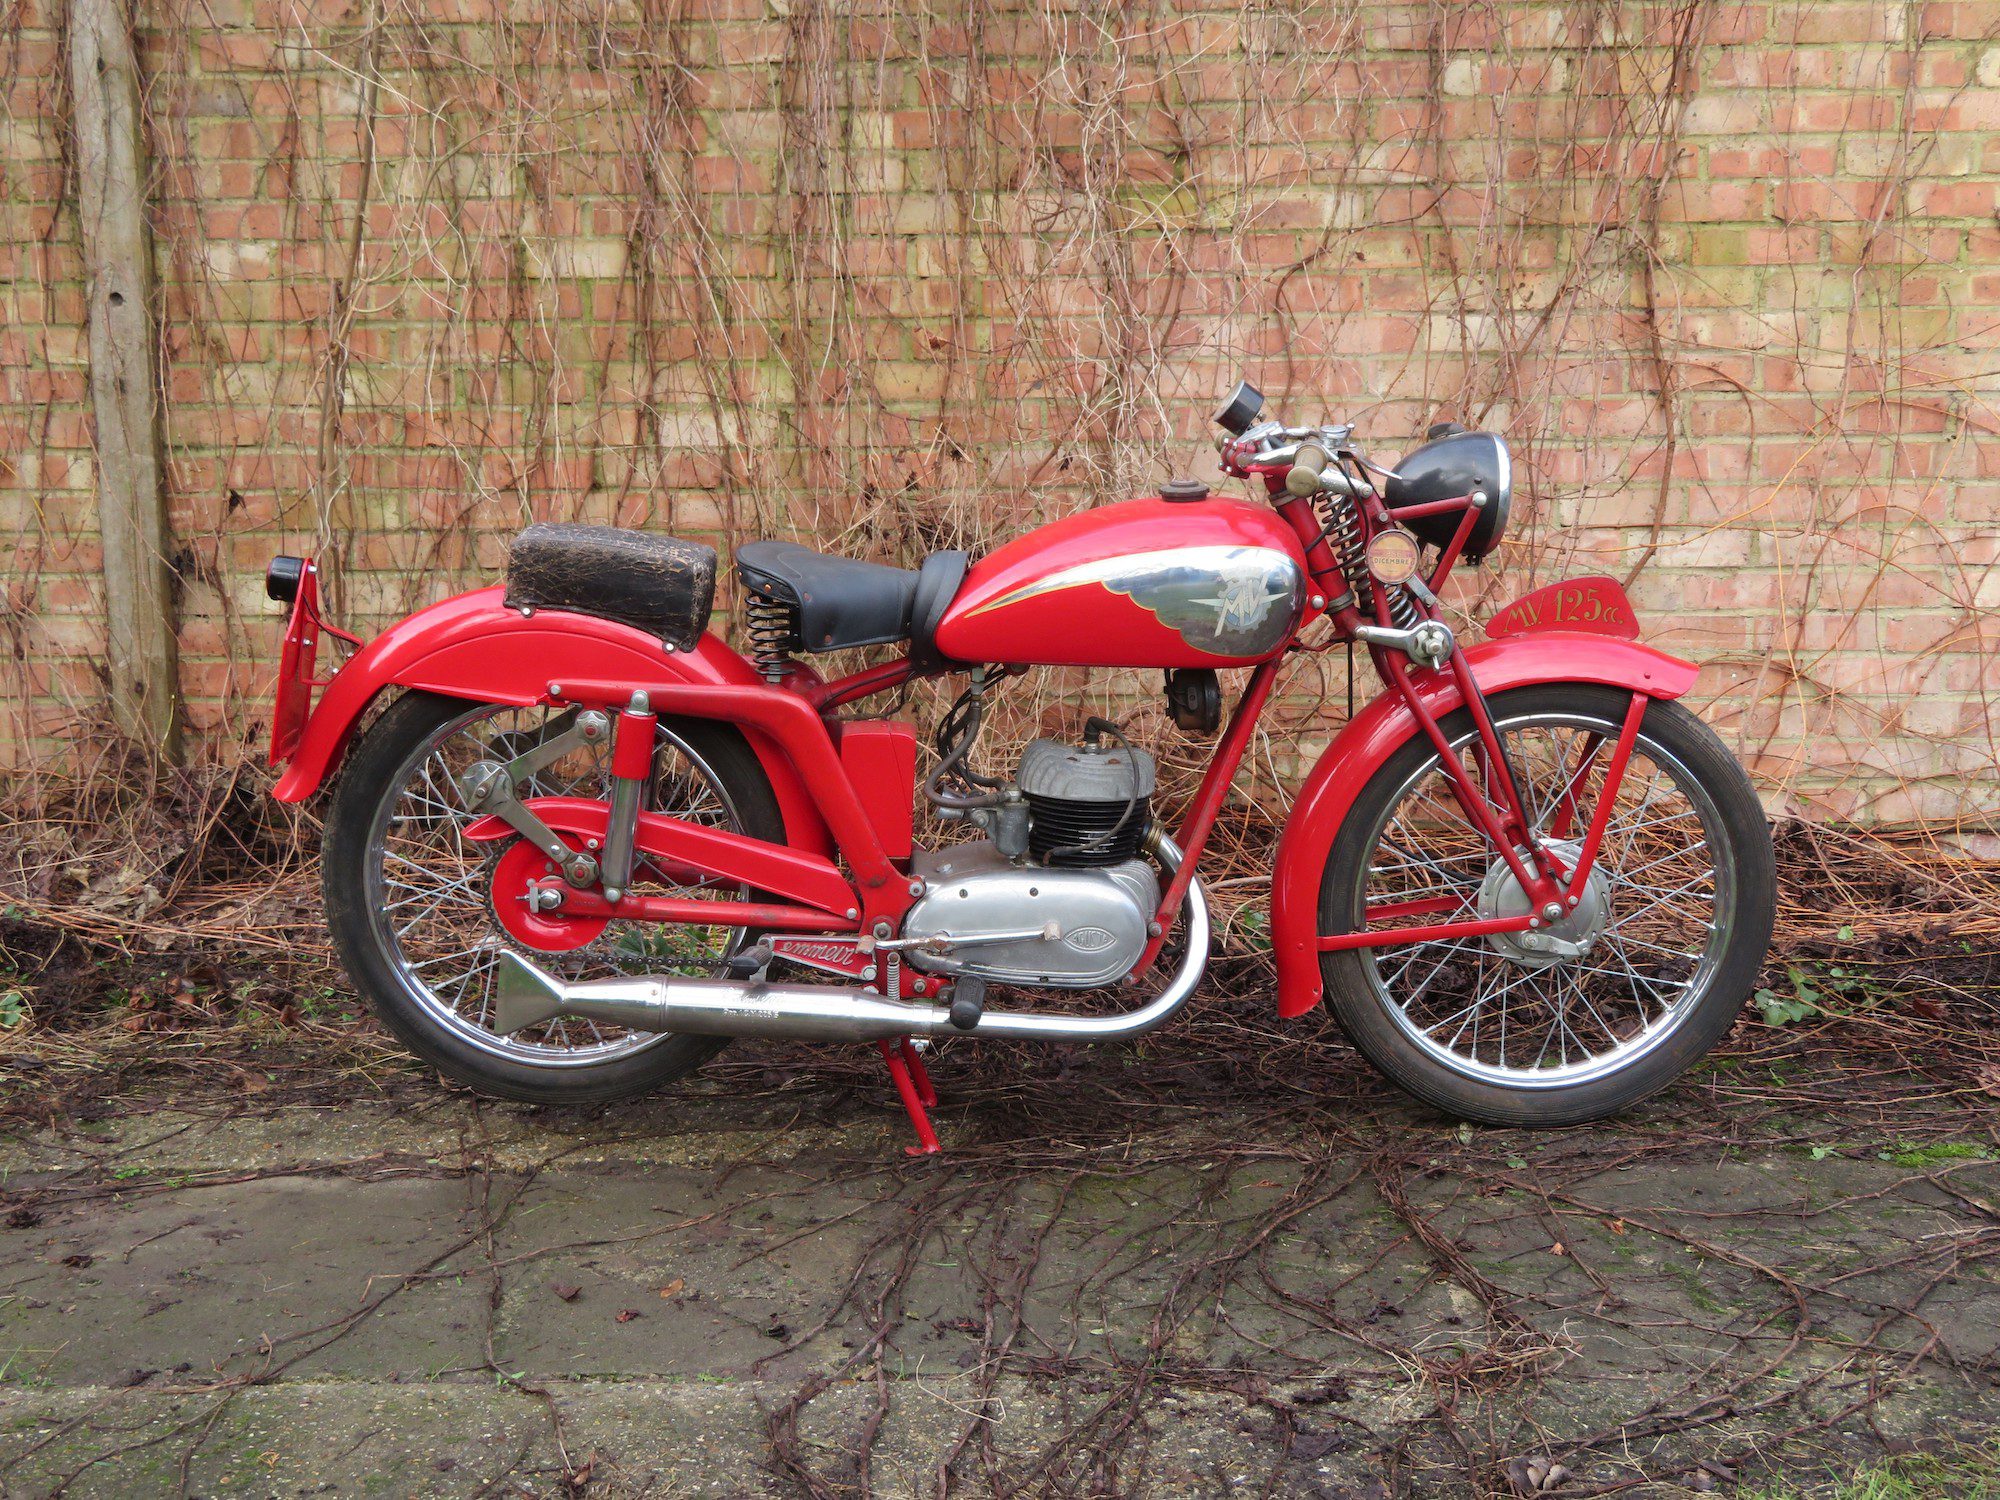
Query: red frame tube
1429	508
1501	769
1448	559
862	684
1422	907
797	728
1471	800
702	913
804	877
1566	813
1207	804
1389	937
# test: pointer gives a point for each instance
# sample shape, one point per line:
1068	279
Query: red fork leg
1614	776
1567	813
899	1056
1472	799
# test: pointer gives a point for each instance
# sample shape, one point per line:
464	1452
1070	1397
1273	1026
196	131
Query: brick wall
1727	276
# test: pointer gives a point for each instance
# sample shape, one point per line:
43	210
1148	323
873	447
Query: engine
1070	905
1087	804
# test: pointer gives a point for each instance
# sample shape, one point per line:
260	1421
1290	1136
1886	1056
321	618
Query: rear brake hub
1569	936
527	888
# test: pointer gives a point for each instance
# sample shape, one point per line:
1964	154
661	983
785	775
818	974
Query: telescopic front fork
1505	822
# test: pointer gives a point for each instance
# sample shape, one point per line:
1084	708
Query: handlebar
1305	455
1303	479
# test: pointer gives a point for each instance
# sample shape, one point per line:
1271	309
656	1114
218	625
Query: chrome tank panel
1080	928
1144	583
1222	601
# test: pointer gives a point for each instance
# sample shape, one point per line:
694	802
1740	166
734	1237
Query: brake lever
1348	452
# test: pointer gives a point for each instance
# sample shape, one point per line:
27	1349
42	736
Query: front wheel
1611	1003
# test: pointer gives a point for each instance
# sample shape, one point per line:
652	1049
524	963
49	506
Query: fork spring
1341	523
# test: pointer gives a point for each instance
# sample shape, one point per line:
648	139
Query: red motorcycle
580	842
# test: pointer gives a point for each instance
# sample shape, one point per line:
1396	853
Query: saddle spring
772	624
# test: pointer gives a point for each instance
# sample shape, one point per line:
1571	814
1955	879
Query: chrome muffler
525	995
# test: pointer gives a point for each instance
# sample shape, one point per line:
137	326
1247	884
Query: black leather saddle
838	602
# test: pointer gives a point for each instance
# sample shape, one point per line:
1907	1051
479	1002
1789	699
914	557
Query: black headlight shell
1459	463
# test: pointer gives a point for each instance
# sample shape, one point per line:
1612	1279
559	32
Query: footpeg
968	1002
750	963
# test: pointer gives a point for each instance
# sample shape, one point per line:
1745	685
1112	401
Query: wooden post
124	379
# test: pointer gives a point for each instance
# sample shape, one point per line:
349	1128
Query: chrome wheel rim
1498	1014
430	897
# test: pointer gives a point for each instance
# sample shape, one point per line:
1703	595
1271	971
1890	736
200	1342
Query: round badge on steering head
1393	556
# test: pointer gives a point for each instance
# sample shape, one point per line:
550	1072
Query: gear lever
968	1002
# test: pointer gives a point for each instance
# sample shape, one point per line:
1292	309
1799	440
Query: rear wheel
1609	1004
411	903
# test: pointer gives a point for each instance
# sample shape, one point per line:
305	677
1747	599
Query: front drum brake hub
1500	895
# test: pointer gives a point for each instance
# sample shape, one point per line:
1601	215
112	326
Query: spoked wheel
1594	1012
412	904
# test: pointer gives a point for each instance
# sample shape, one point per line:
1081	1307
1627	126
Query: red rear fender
1379	731
474	647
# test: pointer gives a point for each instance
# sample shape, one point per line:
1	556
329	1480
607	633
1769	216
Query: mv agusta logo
1228	601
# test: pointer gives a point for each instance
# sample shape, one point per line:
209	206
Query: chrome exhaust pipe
525	995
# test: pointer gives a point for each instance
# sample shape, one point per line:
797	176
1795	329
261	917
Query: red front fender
1379	730
474	647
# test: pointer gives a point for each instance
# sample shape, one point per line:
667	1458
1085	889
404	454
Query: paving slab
478	1300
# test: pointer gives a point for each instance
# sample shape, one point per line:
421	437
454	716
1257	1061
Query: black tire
1737	832
373	772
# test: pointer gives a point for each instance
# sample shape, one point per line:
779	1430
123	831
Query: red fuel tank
1145	583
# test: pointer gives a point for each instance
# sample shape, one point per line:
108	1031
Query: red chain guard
545	931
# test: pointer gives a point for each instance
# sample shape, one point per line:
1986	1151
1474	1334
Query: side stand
913	1084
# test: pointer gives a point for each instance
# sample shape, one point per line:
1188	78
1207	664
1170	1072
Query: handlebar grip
1304	478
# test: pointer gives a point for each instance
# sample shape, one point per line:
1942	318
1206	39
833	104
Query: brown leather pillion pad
658	584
